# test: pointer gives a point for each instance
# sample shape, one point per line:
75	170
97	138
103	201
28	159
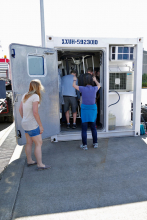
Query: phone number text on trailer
78	41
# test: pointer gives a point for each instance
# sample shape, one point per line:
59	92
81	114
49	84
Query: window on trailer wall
113	53
125	53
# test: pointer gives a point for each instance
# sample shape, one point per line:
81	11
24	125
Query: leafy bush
144	80
144	84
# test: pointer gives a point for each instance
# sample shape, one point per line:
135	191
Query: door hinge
16	97
13	53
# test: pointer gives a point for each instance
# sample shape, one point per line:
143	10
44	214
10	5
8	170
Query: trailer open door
28	63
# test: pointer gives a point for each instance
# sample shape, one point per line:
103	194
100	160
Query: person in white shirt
31	123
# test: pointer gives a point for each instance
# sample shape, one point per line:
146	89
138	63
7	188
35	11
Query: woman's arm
96	82
37	117
74	83
21	109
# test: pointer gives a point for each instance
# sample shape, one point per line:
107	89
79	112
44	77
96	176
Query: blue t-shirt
88	94
67	88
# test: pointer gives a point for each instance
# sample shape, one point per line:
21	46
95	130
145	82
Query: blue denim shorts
34	132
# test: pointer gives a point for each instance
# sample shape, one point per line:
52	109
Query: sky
20	20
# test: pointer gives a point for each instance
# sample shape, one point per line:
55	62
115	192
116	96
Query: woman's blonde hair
35	88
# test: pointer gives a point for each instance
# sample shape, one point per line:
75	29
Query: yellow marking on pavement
7	179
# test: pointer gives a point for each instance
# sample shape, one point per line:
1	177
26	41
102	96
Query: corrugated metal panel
3	70
3	66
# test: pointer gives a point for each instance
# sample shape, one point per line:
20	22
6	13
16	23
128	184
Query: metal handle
48	52
13	53
18	134
16	97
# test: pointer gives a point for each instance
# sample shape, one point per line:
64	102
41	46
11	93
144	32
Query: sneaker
84	147
74	126
68	126
95	145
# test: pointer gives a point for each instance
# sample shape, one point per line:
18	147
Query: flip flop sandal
43	168
31	164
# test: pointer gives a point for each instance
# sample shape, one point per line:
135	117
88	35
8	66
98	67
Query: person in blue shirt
88	108
70	97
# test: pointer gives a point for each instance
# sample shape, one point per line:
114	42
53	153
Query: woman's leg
38	153
94	131
84	133
28	149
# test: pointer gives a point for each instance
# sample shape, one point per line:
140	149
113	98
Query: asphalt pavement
105	183
7	144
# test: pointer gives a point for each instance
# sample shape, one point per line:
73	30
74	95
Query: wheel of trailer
10	107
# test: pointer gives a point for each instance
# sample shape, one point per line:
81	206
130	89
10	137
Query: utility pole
42	23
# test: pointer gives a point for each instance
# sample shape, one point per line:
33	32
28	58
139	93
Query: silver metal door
28	63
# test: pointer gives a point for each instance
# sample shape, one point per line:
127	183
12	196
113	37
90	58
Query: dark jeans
84	132
63	114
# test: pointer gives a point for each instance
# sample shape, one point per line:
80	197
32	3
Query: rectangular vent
122	77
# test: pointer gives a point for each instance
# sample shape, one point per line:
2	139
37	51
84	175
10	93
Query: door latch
18	134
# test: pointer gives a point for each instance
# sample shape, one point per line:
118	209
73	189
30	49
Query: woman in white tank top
31	123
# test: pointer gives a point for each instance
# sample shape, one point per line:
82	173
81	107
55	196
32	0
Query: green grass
144	80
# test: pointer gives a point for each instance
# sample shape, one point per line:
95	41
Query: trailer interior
81	61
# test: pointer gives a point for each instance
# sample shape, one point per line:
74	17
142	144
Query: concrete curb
9	186
7	149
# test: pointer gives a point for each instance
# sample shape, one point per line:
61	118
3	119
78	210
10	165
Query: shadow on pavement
4	125
114	174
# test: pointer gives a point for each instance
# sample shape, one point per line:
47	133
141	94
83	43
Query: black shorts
70	100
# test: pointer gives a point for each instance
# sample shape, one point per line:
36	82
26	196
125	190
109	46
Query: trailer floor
99	128
65	129
105	183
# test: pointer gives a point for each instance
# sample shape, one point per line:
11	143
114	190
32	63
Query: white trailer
120	63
